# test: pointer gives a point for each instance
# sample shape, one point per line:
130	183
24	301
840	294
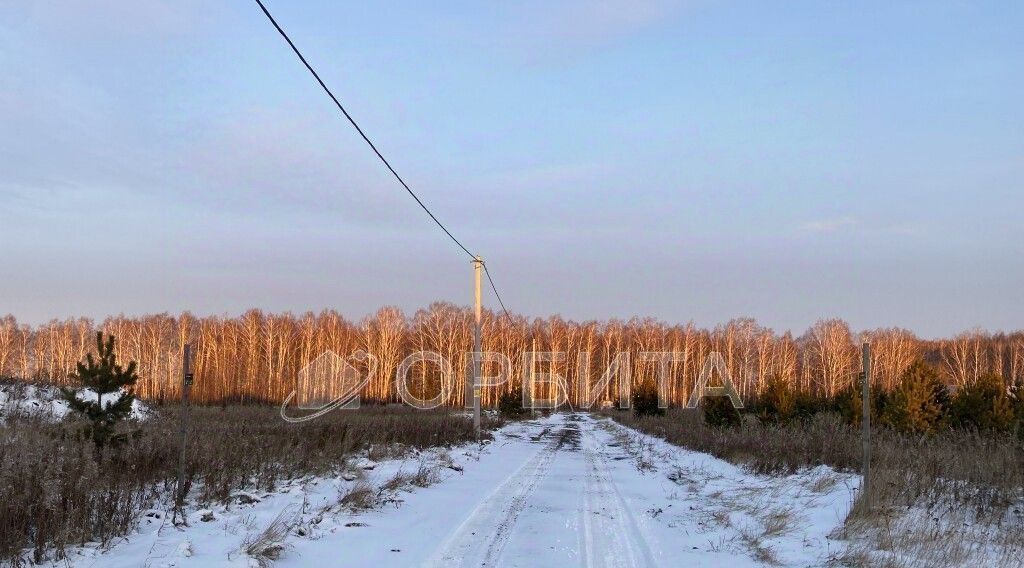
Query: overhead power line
496	294
358	129
373	147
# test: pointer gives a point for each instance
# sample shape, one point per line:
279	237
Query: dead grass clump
822	483
776	522
360	496
721	516
425	476
267	546
753	539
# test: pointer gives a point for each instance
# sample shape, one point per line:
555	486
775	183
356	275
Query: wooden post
186	386
477	265
533	379
866	422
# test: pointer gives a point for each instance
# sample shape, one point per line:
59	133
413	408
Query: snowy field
566	490
45	401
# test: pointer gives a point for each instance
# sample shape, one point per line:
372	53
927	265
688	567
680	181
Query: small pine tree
1016	394
849	403
103	377
806	405
920	402
985	405
777	404
719	412
645	400
510	404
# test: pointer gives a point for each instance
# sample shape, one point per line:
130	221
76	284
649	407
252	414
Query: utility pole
478	264
866	421
186	386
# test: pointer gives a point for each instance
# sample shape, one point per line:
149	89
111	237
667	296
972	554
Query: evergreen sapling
105	378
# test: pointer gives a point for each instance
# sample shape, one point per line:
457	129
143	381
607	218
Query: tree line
258	356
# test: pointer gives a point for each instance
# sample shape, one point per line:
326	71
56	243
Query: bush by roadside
984	406
719	412
645	400
510	404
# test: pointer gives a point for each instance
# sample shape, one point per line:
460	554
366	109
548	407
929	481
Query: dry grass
776	522
267	545
362	495
763	449
425	476
57	493
953	498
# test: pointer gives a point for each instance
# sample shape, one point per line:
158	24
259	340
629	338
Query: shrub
1017	397
984	405
719	412
806	406
849	403
645	400
920	402
510	404
777	404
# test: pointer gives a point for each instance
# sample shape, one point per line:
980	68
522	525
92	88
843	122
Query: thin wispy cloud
830	225
284	161
586	24
101	18
545	32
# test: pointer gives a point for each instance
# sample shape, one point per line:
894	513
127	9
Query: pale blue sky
687	160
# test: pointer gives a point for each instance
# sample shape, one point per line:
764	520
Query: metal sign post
186	386
866	422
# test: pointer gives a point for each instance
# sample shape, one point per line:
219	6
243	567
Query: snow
45	401
943	531
565	489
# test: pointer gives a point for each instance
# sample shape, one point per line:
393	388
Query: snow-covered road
562	504
574	490
563	490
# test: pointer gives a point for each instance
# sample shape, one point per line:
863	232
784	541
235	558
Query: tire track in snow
610	536
481	538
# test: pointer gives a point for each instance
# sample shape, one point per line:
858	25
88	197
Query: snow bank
19	399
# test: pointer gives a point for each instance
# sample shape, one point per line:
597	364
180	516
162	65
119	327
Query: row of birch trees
258	356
